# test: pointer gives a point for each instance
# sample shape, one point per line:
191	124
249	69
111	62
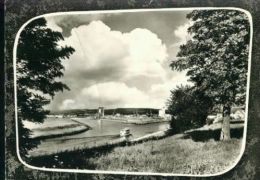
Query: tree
189	108
216	58
39	58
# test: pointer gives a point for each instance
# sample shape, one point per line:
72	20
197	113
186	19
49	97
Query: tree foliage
216	58
39	65
189	108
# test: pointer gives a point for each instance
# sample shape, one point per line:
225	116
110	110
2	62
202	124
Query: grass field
171	155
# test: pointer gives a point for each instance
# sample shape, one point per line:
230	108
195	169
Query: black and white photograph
155	91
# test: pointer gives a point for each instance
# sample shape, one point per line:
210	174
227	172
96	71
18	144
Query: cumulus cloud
67	103
138	52
51	23
114	94
161	91
182	32
114	69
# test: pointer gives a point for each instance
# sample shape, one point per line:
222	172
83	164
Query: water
101	130
106	127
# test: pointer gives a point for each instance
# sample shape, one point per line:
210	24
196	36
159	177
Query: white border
123	11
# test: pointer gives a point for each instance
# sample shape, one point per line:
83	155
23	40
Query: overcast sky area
120	60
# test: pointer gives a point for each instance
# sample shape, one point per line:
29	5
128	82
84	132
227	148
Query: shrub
189	108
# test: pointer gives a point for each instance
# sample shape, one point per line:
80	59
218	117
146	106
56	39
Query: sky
120	60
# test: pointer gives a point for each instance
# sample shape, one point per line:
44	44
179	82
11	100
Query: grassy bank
196	151
55	127
58	132
70	147
171	155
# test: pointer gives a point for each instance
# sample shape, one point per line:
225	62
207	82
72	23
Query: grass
171	155
58	132
197	151
70	147
49	123
55	127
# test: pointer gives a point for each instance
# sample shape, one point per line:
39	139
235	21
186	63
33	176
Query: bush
189	108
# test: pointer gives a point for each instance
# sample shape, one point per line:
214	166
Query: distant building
238	114
70	115
218	118
49	116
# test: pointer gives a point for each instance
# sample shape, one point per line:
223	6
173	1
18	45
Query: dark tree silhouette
216	58
189	108
39	58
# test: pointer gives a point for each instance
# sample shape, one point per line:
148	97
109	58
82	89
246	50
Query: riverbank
185	153
173	154
58	131
55	127
137	121
90	143
145	121
196	151
101	132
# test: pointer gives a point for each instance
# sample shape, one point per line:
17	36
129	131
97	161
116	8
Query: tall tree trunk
225	130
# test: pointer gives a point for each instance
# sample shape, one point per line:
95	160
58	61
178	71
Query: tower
101	112
162	112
